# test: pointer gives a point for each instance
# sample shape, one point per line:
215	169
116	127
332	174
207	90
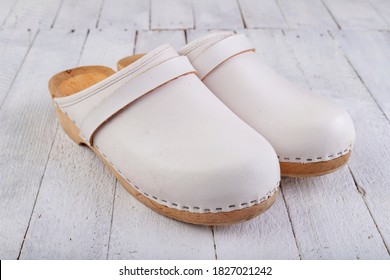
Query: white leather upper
177	144
211	58
301	126
140	85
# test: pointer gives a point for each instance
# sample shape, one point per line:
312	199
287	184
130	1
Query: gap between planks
47	158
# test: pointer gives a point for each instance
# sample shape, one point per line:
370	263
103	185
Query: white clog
311	134
169	141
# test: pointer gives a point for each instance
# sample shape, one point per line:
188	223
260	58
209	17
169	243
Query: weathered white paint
72	216
125	14
369	52
107	46
383	8
306	13
85	16
148	40
27	132
261	13
33	14
268	236
330	219
69	195
370	163
77	191
355	14
14	45
171	14
217	14
139	233
329	73
6	7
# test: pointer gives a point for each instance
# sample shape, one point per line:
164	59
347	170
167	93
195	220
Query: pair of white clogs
202	135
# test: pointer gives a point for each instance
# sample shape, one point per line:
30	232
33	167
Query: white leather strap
131	91
220	52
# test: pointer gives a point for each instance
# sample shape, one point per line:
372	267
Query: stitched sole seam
315	159
193	209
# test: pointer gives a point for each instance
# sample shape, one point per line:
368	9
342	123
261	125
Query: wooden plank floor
58	201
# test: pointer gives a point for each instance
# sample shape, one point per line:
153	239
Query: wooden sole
75	80
290	169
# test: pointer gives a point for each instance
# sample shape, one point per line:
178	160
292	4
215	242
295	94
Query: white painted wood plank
27	132
148	40
383	8
171	14
261	13
217	14
33	14
368	163
306	13
194	34
369	53
14	45
125	14
78	14
72	216
370	166
320	240
77	222
329	72
268	236
138	232
355	14
6	7
331	220
113	44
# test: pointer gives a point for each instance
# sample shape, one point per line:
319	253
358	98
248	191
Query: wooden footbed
74	80
126	61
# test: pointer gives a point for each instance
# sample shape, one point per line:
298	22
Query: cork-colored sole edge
291	169
209	219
